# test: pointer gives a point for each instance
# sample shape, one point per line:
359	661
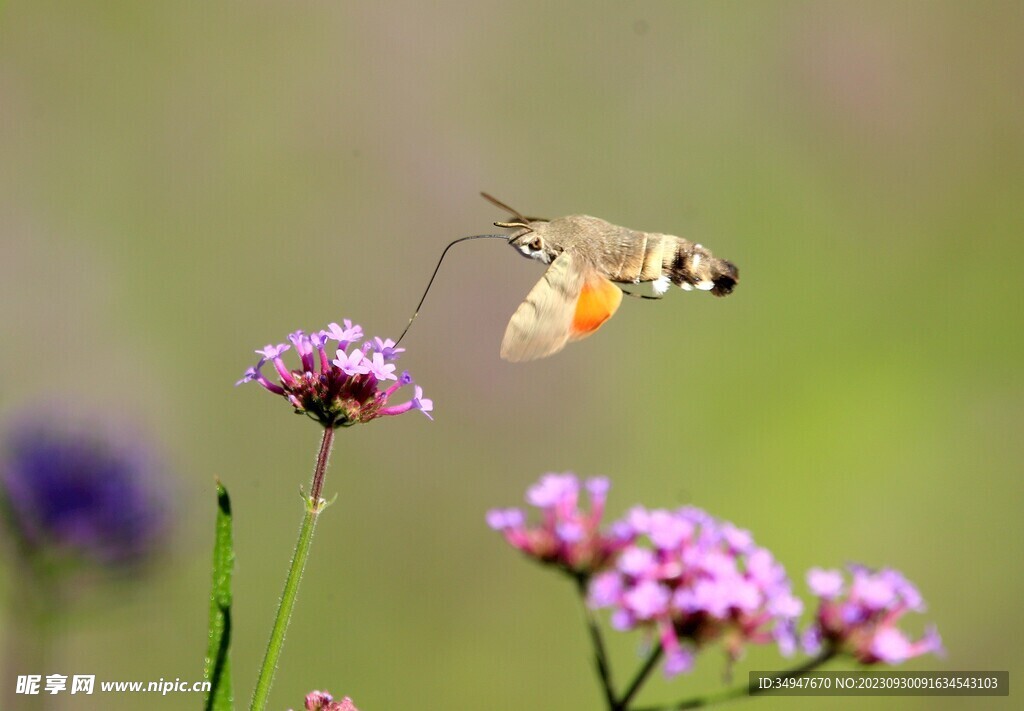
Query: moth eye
536	244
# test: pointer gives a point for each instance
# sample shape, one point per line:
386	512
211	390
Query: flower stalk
601	663
745	690
314	505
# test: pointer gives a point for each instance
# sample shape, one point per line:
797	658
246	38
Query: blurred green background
181	183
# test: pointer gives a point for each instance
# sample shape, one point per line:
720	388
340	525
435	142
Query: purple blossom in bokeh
567	535
334	385
688	580
691	579
862	620
323	701
77	494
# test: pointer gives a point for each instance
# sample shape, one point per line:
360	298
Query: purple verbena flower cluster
692	579
346	389
567	535
862	620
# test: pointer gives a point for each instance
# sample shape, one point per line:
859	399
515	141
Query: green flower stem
641	676
35	621
747	690
314	505
601	664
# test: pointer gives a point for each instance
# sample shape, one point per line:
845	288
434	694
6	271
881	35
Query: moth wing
566	304
540	326
598	301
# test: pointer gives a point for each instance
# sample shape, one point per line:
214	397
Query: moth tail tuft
694	267
724	275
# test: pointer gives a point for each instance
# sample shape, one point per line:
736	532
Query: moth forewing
541	325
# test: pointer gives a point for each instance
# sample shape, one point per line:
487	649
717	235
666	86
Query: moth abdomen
691	266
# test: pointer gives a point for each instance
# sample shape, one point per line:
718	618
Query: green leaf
217	669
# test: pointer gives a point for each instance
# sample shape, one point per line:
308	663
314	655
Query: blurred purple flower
81	494
862	622
690	580
323	701
335	387
567	535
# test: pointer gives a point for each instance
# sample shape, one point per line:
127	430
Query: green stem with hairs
314	505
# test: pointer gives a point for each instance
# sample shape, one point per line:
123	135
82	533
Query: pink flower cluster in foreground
692	579
861	620
323	701
568	536
689	579
337	384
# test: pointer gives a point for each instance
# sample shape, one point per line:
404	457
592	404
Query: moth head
531	240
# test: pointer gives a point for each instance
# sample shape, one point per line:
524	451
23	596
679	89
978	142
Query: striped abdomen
651	257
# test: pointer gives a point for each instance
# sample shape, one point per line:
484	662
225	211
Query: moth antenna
431	282
498	203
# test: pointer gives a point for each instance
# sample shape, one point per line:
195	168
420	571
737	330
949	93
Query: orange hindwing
597	302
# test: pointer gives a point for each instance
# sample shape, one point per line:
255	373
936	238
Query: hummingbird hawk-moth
587	259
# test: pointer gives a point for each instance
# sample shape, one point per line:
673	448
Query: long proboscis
436	269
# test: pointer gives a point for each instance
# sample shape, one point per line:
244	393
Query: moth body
627	256
587	257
